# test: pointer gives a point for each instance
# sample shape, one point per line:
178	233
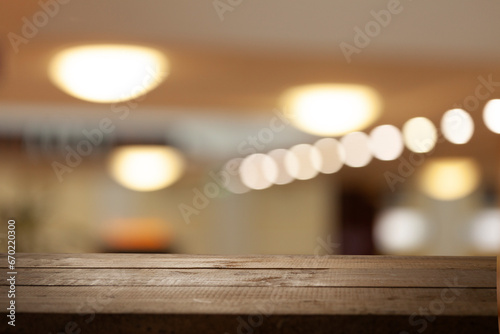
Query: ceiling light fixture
331	109
146	167
108	73
448	179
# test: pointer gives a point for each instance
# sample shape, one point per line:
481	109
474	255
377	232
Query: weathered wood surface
433	278
151	261
136	293
254	300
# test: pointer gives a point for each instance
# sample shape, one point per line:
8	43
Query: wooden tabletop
161	293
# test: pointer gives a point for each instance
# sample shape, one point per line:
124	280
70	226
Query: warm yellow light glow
419	134
400	231
491	115
146	168
457	126
108	73
331	109
449	179
357	150
386	142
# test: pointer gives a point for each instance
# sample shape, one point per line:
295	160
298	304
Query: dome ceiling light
146	167
331	109
108	73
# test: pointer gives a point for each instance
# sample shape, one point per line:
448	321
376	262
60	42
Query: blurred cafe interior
251	127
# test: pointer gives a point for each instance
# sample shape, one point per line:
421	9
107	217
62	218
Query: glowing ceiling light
357	150
420	135
491	115
146	168
258	171
331	109
457	126
299	161
400	231
332	155
449	179
108	73
386	142
485	233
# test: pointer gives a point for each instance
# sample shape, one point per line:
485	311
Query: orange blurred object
137	234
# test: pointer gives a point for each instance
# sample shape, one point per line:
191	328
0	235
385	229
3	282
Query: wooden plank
258	277
256	261
143	293
257	300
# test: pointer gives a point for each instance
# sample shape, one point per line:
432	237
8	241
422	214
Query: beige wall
68	216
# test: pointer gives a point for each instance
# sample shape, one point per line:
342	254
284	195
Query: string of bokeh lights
356	149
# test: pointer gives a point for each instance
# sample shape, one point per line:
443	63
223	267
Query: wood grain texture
96	260
141	293
395	277
256	300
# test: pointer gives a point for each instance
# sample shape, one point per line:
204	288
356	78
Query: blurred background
251	127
